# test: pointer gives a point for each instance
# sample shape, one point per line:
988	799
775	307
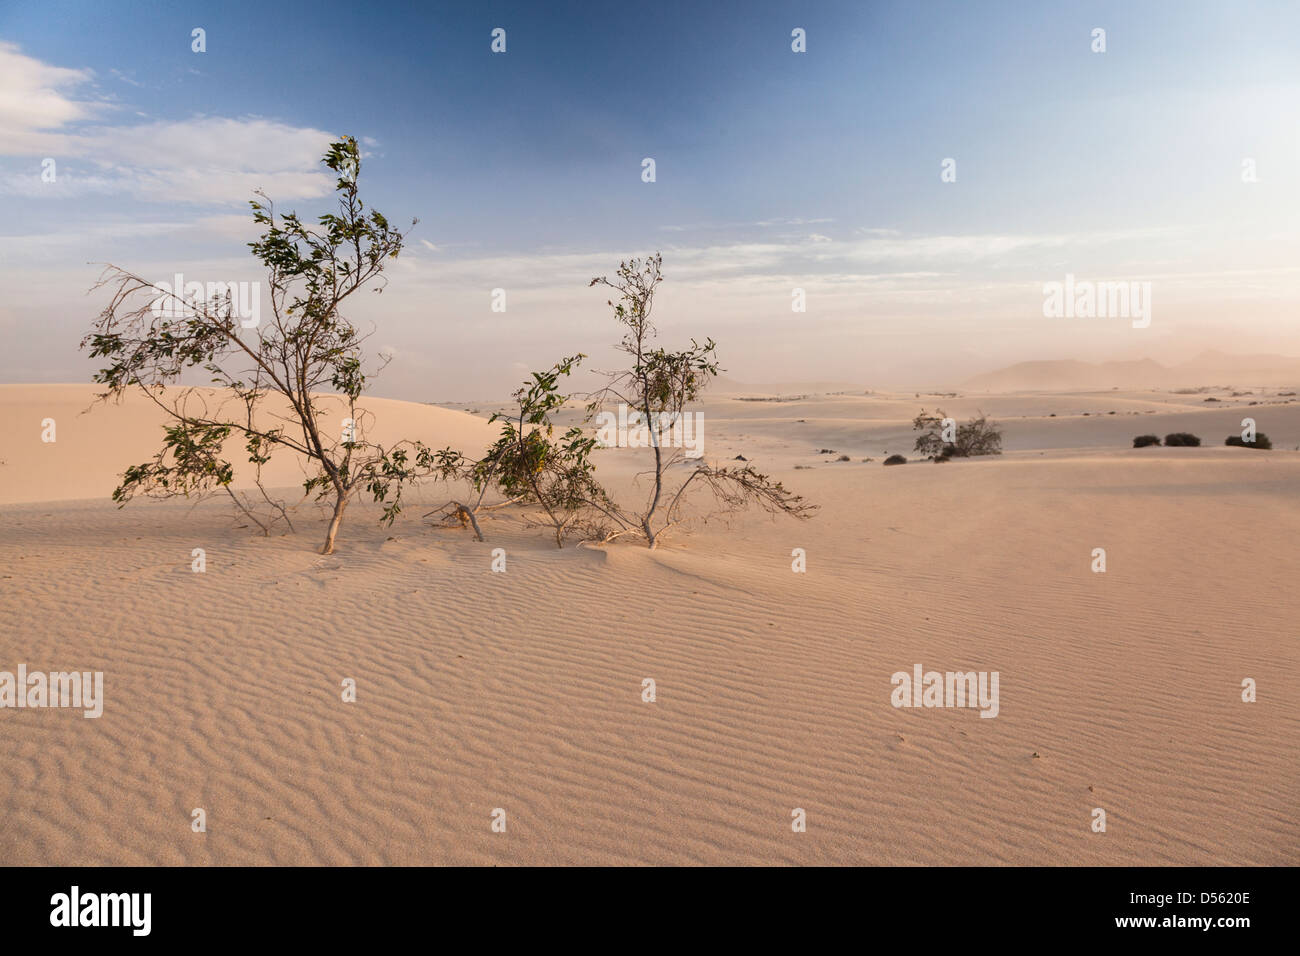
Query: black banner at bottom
1220	906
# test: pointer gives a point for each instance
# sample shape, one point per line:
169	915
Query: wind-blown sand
522	691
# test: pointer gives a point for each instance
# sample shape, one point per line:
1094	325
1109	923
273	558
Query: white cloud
35	96
47	111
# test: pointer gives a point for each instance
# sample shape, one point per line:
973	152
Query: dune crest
94	443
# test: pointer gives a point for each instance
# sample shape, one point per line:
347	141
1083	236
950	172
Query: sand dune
522	690
95	442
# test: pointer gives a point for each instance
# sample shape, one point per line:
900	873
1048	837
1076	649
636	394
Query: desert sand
523	690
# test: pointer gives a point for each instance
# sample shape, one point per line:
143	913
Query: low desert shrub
895	460
941	435
1182	439
1143	441
1261	441
530	463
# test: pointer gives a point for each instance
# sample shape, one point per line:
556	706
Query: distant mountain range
1208	368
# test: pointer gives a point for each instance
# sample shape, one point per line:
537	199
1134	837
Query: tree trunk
659	485
340	503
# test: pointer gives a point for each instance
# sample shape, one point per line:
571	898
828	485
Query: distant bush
1142	441
1182	439
844	458
895	460
1261	441
943	436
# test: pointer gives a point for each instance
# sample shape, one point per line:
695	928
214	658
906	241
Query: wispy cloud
125	78
733	226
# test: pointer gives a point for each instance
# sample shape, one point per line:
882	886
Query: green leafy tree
308	347
659	385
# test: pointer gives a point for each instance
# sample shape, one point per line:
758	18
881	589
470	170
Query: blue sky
774	170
